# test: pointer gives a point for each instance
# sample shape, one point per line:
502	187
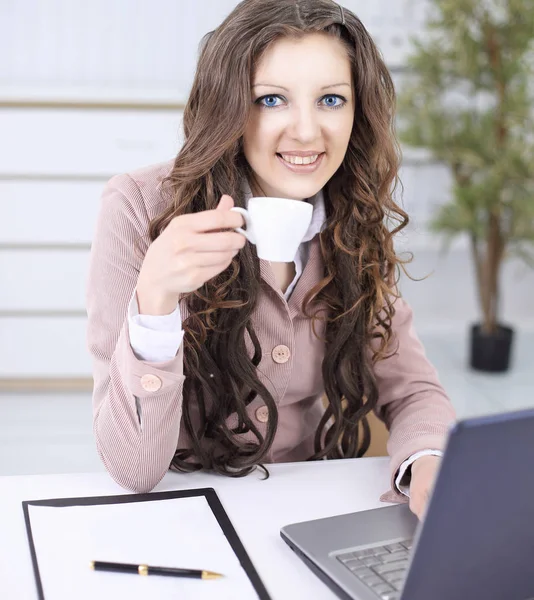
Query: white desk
258	509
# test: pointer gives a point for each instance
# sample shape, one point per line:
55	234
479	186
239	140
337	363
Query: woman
207	357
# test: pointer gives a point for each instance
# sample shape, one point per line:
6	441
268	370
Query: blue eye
268	98
334	97
270	101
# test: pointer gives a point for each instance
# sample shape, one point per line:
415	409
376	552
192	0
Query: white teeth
300	160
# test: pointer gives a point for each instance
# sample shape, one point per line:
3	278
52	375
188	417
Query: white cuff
405	489
154	338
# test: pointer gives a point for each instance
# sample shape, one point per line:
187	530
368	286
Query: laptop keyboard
381	568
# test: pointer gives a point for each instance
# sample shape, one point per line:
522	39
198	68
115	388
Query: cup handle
248	232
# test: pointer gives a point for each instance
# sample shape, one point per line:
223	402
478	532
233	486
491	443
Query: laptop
476	541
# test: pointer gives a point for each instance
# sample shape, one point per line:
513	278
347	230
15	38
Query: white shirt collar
318	216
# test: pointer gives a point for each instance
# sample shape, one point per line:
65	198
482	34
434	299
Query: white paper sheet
180	532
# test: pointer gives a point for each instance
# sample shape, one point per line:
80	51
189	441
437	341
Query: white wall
54	162
142	48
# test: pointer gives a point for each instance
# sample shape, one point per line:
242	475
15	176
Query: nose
304	126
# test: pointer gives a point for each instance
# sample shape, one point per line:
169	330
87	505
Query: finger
425	501
420	503
207	273
211	220
218	242
415	506
225	203
212	259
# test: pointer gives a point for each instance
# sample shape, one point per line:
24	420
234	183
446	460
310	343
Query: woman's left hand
424	471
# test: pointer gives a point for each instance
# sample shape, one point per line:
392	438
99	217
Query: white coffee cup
276	226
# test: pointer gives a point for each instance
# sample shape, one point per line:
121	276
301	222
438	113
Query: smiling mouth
300	160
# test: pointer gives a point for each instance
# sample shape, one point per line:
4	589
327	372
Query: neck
257	192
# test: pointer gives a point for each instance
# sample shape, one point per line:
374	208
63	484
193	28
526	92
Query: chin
299	192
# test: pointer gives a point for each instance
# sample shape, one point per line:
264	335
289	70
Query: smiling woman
208	357
300	124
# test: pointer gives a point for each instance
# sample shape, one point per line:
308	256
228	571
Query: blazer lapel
267	274
312	274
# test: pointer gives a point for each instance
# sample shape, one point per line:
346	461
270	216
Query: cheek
251	136
343	126
265	135
340	144
252	142
344	132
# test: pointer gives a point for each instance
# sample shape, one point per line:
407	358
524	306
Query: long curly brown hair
361	267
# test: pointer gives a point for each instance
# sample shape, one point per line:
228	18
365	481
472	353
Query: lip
304	169
303	153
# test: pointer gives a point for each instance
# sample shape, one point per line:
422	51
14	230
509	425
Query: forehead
316	58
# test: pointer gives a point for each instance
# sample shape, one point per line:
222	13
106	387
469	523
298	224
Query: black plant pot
491	352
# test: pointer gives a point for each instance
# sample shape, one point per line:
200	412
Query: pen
98	565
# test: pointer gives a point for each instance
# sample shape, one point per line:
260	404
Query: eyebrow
283	88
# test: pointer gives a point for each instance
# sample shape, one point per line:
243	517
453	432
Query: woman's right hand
189	252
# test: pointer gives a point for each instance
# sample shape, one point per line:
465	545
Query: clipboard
208	494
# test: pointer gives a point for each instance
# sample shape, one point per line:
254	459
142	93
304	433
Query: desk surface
258	509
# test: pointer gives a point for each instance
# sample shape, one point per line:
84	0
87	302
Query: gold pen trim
142	569
92	565
211	575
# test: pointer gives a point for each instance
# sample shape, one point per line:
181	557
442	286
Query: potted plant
468	98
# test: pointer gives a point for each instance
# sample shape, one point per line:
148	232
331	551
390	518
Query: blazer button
151	383
281	354
262	414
